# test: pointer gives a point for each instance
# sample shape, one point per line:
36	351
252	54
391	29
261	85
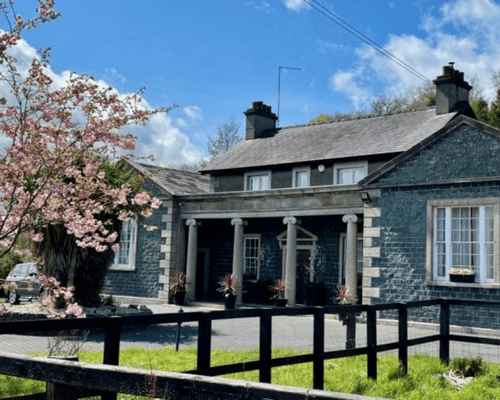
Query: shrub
467	366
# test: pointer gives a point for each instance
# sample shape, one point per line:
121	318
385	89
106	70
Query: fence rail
113	327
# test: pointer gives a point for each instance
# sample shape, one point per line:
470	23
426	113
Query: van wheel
13	297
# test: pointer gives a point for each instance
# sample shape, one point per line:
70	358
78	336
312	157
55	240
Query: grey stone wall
143	280
282	176
402	242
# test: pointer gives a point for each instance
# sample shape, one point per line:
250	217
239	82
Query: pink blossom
111	238
3	309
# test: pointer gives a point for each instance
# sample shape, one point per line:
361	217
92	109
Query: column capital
350	218
193	222
239	221
291	220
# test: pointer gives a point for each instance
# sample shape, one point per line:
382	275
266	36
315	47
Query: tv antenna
279	88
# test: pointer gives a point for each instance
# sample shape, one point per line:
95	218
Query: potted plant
278	287
463	275
178	288
227	286
344	296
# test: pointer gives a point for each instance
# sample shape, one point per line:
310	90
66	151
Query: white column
238	257
192	250
291	258
351	268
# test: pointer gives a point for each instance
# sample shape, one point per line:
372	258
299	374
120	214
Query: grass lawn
346	375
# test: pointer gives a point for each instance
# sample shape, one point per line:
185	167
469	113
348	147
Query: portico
243	213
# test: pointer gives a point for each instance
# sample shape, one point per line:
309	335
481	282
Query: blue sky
213	58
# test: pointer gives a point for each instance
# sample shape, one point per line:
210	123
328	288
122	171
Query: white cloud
181	122
325	47
296	5
193	112
260	6
159	137
347	82
113	76
466	32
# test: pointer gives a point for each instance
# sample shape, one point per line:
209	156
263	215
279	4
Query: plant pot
179	298
462	278
280	302
230	302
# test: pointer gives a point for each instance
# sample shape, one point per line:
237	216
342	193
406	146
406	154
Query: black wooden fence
113	326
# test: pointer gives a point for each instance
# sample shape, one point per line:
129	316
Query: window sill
458	284
129	269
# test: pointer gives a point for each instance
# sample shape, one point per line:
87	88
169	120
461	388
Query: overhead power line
353	31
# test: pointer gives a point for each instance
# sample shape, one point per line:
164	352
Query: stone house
387	205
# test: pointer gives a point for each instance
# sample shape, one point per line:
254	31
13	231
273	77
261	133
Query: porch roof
172	181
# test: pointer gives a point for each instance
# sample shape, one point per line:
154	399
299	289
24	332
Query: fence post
444	342
112	347
204	344
403	337
371	336
265	346
319	349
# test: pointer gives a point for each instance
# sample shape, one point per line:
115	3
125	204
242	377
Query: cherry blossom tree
57	139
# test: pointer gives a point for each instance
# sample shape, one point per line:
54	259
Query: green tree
480	107
85	268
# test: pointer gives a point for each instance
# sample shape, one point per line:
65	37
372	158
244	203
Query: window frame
252	236
130	266
253	174
297	170
431	245
349	165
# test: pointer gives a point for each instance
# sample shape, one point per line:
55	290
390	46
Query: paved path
243	334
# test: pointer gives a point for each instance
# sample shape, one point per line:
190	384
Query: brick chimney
259	120
452	92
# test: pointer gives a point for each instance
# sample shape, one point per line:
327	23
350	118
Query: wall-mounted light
365	197
321	168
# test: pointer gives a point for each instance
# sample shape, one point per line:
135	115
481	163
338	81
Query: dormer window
255	181
349	173
301	177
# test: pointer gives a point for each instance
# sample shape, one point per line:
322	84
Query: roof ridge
360	117
168	168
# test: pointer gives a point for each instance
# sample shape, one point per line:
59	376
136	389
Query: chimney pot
452	91
260	121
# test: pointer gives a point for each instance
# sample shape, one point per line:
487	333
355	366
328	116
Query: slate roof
335	140
174	182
